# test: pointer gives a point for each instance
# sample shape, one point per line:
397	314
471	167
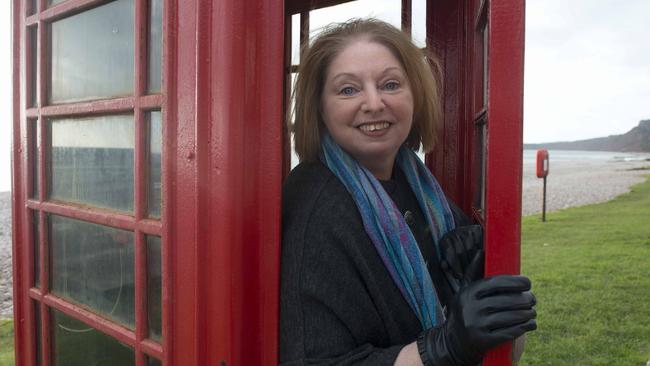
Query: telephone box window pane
419	23
35	147
92	265
54	2
31	7
155	46
31	63
155	163
37	332
295	160
93	54
37	249
77	344
389	11
92	161
480	70
153	362
295	39
479	198
485	65
154	287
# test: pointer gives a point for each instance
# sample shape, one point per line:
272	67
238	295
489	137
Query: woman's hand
483	315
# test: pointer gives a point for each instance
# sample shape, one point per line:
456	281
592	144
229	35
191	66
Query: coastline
570	183
573	183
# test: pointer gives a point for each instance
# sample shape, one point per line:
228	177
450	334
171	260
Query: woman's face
367	104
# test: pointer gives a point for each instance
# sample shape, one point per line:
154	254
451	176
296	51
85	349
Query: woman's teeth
369	127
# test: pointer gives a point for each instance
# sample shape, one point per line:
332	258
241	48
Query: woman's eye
391	85
348	90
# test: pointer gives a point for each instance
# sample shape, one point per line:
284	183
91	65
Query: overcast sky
587	67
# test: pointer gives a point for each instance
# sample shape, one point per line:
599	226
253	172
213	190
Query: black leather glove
462	255
483	315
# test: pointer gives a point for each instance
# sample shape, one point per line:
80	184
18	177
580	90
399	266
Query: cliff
635	140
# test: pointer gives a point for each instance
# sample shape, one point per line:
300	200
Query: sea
529	158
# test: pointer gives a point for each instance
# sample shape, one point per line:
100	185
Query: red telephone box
148	154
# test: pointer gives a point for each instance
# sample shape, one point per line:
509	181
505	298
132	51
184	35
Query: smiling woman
368	104
372	250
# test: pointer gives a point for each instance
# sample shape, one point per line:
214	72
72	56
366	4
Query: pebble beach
570	183
6	308
582	182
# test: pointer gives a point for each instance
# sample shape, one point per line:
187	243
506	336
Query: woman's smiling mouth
374	126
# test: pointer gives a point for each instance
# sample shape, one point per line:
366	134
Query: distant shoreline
570	183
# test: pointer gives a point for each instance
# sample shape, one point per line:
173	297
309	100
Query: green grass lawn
590	268
6	343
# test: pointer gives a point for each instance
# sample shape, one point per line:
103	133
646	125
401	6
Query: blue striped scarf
387	228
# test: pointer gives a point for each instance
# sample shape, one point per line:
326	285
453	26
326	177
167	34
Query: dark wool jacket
339	304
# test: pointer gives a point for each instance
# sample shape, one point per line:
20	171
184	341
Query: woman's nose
373	102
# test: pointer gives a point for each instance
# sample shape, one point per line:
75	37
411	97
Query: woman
378	268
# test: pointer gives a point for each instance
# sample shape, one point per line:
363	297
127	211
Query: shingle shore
570	183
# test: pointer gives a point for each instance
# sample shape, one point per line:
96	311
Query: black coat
338	304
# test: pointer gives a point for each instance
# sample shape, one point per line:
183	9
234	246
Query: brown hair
316	59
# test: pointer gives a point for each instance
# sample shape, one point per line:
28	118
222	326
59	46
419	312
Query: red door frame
226	71
452	27
504	145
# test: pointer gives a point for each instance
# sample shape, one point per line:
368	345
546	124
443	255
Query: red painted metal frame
227	73
505	144
23	205
446	22
407	16
23	318
452	25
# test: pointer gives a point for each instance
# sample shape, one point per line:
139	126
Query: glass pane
389	11
153	362
155	46
154	287
37	249
92	265
480	70
419	22
155	154
37	321
295	39
479	161
485	65
52	2
292	102
35	147
92	54
32	63
31	7
77	344
92	161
